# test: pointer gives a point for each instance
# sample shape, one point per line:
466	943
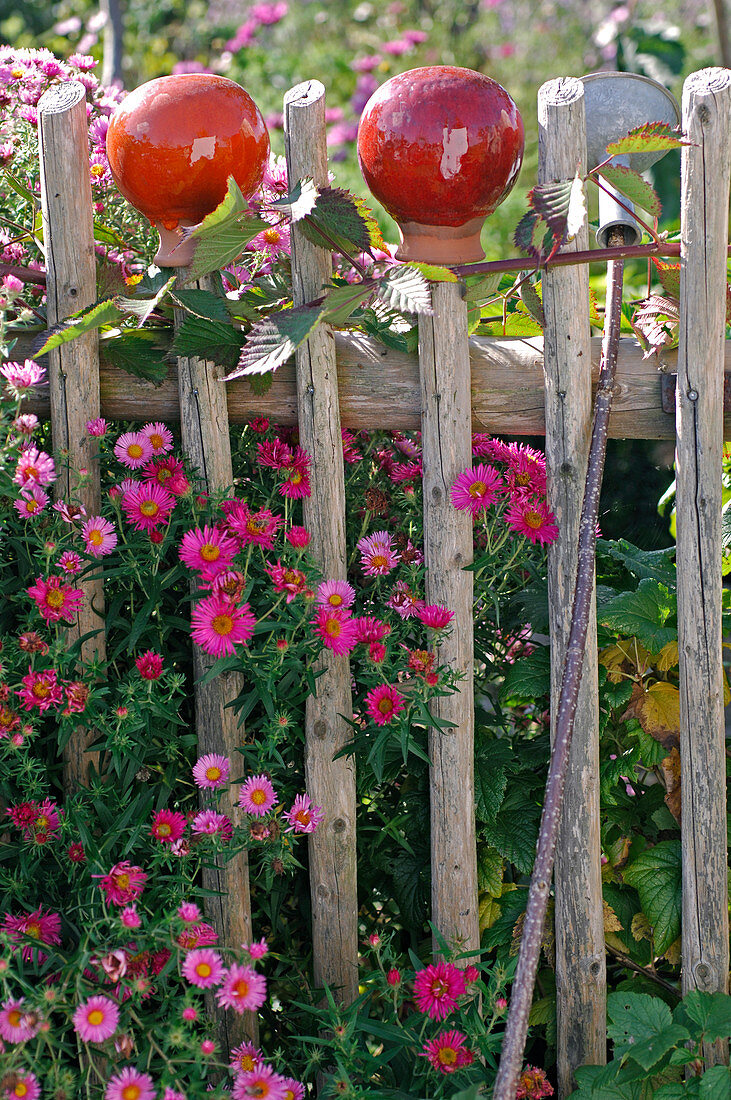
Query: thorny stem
530	944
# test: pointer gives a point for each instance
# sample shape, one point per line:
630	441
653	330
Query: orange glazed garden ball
440	148
173	143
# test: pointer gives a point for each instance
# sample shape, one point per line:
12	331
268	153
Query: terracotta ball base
441	244
173	250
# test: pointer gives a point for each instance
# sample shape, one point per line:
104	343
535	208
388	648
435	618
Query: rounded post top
561	91
306	94
708	81
61	98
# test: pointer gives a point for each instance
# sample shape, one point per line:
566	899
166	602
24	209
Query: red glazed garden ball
173	143
440	148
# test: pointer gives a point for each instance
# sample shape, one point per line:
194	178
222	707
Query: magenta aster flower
436	989
211	771
532	518
447	1053
23	1086
99	535
201	935
40	926
40	689
299	537
377	556
293	1090
169	473
17	1026
261	1082
297	482
149	665
203	967
133	449
159	436
22	377
147	505
217	625
335	594
434	616
188	911
370	629
258	528
257	949
533	1084
124	883
70	562
97	427
168	826
336	628
526	469
96	1019
242	989
245	1057
31	502
287	579
130	1084
208	551
303	817
257	796
210	823
56	600
476	489
383	703
130	918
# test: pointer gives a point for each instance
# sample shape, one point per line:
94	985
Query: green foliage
645	614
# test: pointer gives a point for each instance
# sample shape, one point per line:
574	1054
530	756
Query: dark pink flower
383	703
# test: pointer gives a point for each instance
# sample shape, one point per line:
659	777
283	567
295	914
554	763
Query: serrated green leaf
529	677
672	1091
715	1083
531	299
633	186
341	221
211	340
406	290
202	303
657	564
707	1014
656	876
490	866
300	200
143	307
271	342
649	1052
137	352
616	695
669	276
516	323
491	779
342	301
652	137
20	188
230	208
434	272
652	752
102	313
106	235
515	830
222	245
633	1018
642	614
479	289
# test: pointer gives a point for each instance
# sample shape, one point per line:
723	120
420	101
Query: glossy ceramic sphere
173	143
440	146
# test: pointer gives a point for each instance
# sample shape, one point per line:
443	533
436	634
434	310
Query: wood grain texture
330	783
206	444
704	230
73	369
380	386
580	954
446	452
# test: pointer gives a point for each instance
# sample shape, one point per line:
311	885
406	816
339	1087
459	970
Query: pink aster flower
336	628
257	949
130	1084
160	437
377	555
22	377
218	626
70	562
287	579
299	537
257	795
526	469
258	528
124	883
210	823
41	690
99	535
147	506
208	551
243	989
56	600
203	967
23	1086
133	449
533	1085
97	427
293	1090
40	926
370	629
17	1026
169	473
262	1082
245	1057
303	817
149	665
168	826
434	616
26	423
45	824
532	518
476	488
297	482
96	1019
130	918
188	911
447	1053
31	502
34	467
211	771
335	594
436	989
383	703
201	935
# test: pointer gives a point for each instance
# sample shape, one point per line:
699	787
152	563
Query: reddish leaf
653	137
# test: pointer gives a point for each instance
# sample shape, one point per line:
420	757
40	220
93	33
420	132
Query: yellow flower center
333	628
385	706
533	519
32	506
272	236
122	881
95	1017
96	538
97	170
157	441
33	930
379	561
303	817
241	988
21	1089
14	1017
213	773
447	1056
163	829
30	473
149	508
258	796
296	477
477	489
41	824
41	690
203	970
246	1063
135	450
131	1092
335	600
209	552
222	624
55	598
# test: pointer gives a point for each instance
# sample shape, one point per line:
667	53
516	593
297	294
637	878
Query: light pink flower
218	626
34	467
335	594
210	823
377	555
262	1082
16	1026
383	703
245	1057
211	771
293	1090
97	427
257	795
96	1019
243	989
159	436
130	918
203	967
100	537
70	562
31	502
133	449
303	817
22	377
23	1087
257	949
188	911
130	1084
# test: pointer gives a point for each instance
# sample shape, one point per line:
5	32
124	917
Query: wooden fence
517	387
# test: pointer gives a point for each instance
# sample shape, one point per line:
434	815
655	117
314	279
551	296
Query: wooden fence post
73	369
330	783
580	952
699	423
205	434
446	426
